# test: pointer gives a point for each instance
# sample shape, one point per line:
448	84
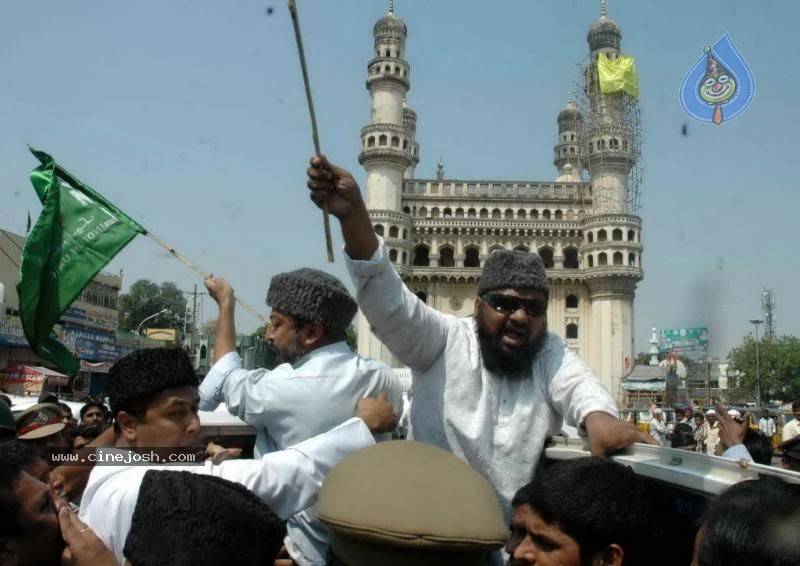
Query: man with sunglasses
490	388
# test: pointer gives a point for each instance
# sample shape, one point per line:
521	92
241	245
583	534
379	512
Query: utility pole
194	329
758	368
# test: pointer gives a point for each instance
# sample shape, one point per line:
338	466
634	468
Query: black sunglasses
509	304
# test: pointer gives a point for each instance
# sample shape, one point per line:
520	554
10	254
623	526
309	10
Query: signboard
690	342
11	334
90	345
92	317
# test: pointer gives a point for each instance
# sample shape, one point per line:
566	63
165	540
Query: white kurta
294	402
288	481
497	425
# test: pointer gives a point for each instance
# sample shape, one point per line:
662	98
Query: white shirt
288	481
496	424
658	430
791	429
294	402
767	426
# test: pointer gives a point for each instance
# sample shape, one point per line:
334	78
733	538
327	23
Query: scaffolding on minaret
626	121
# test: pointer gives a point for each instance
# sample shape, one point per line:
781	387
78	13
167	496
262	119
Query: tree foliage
779	361
145	299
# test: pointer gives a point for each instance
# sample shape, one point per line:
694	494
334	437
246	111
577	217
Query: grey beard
496	360
288	354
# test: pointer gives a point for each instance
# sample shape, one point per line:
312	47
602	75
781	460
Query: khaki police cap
403	502
39	421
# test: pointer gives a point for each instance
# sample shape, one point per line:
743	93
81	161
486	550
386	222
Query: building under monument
584	223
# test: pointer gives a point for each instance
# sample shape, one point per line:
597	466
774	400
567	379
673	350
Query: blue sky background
190	115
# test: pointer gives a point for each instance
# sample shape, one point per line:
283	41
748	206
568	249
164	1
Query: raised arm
339	189
225	336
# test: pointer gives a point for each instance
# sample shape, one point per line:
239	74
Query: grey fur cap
513	269
314	296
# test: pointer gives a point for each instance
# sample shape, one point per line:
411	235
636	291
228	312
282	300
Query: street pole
758	364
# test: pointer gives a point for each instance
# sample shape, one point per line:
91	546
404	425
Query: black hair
796	405
88	433
521	497
754	522
701	415
90	404
759	446
597	502
15	455
682	435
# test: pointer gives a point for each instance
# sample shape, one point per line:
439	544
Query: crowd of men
327	485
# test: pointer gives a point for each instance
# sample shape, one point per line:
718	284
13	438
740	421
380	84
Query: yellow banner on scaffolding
618	75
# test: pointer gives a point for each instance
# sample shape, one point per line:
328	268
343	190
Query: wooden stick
200	272
314	134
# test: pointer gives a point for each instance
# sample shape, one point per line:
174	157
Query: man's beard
290	353
514	364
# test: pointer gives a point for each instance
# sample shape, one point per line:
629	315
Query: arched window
407	210
613	143
546	215
423	296
422	212
602	235
602	259
570	258
559	215
459	213
447	212
421	258
572	301
484	213
447	257
435	212
383	140
405	257
405	233
472	257
394	231
496	214
547	257
371	141
631	235
534	214
618	258
521	214
471	213
203	352
572	330
601	144
632	260
379	229
591	260
571	150
616	235
508	214
405	144
393	256
395	141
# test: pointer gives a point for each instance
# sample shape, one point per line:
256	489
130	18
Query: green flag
76	235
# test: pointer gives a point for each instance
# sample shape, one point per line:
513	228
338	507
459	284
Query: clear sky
190	115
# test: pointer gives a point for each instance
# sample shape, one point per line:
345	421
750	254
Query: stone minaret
568	151
389	153
612	233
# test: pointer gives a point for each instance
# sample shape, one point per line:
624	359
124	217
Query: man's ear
128	425
477	304
313	335
611	555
